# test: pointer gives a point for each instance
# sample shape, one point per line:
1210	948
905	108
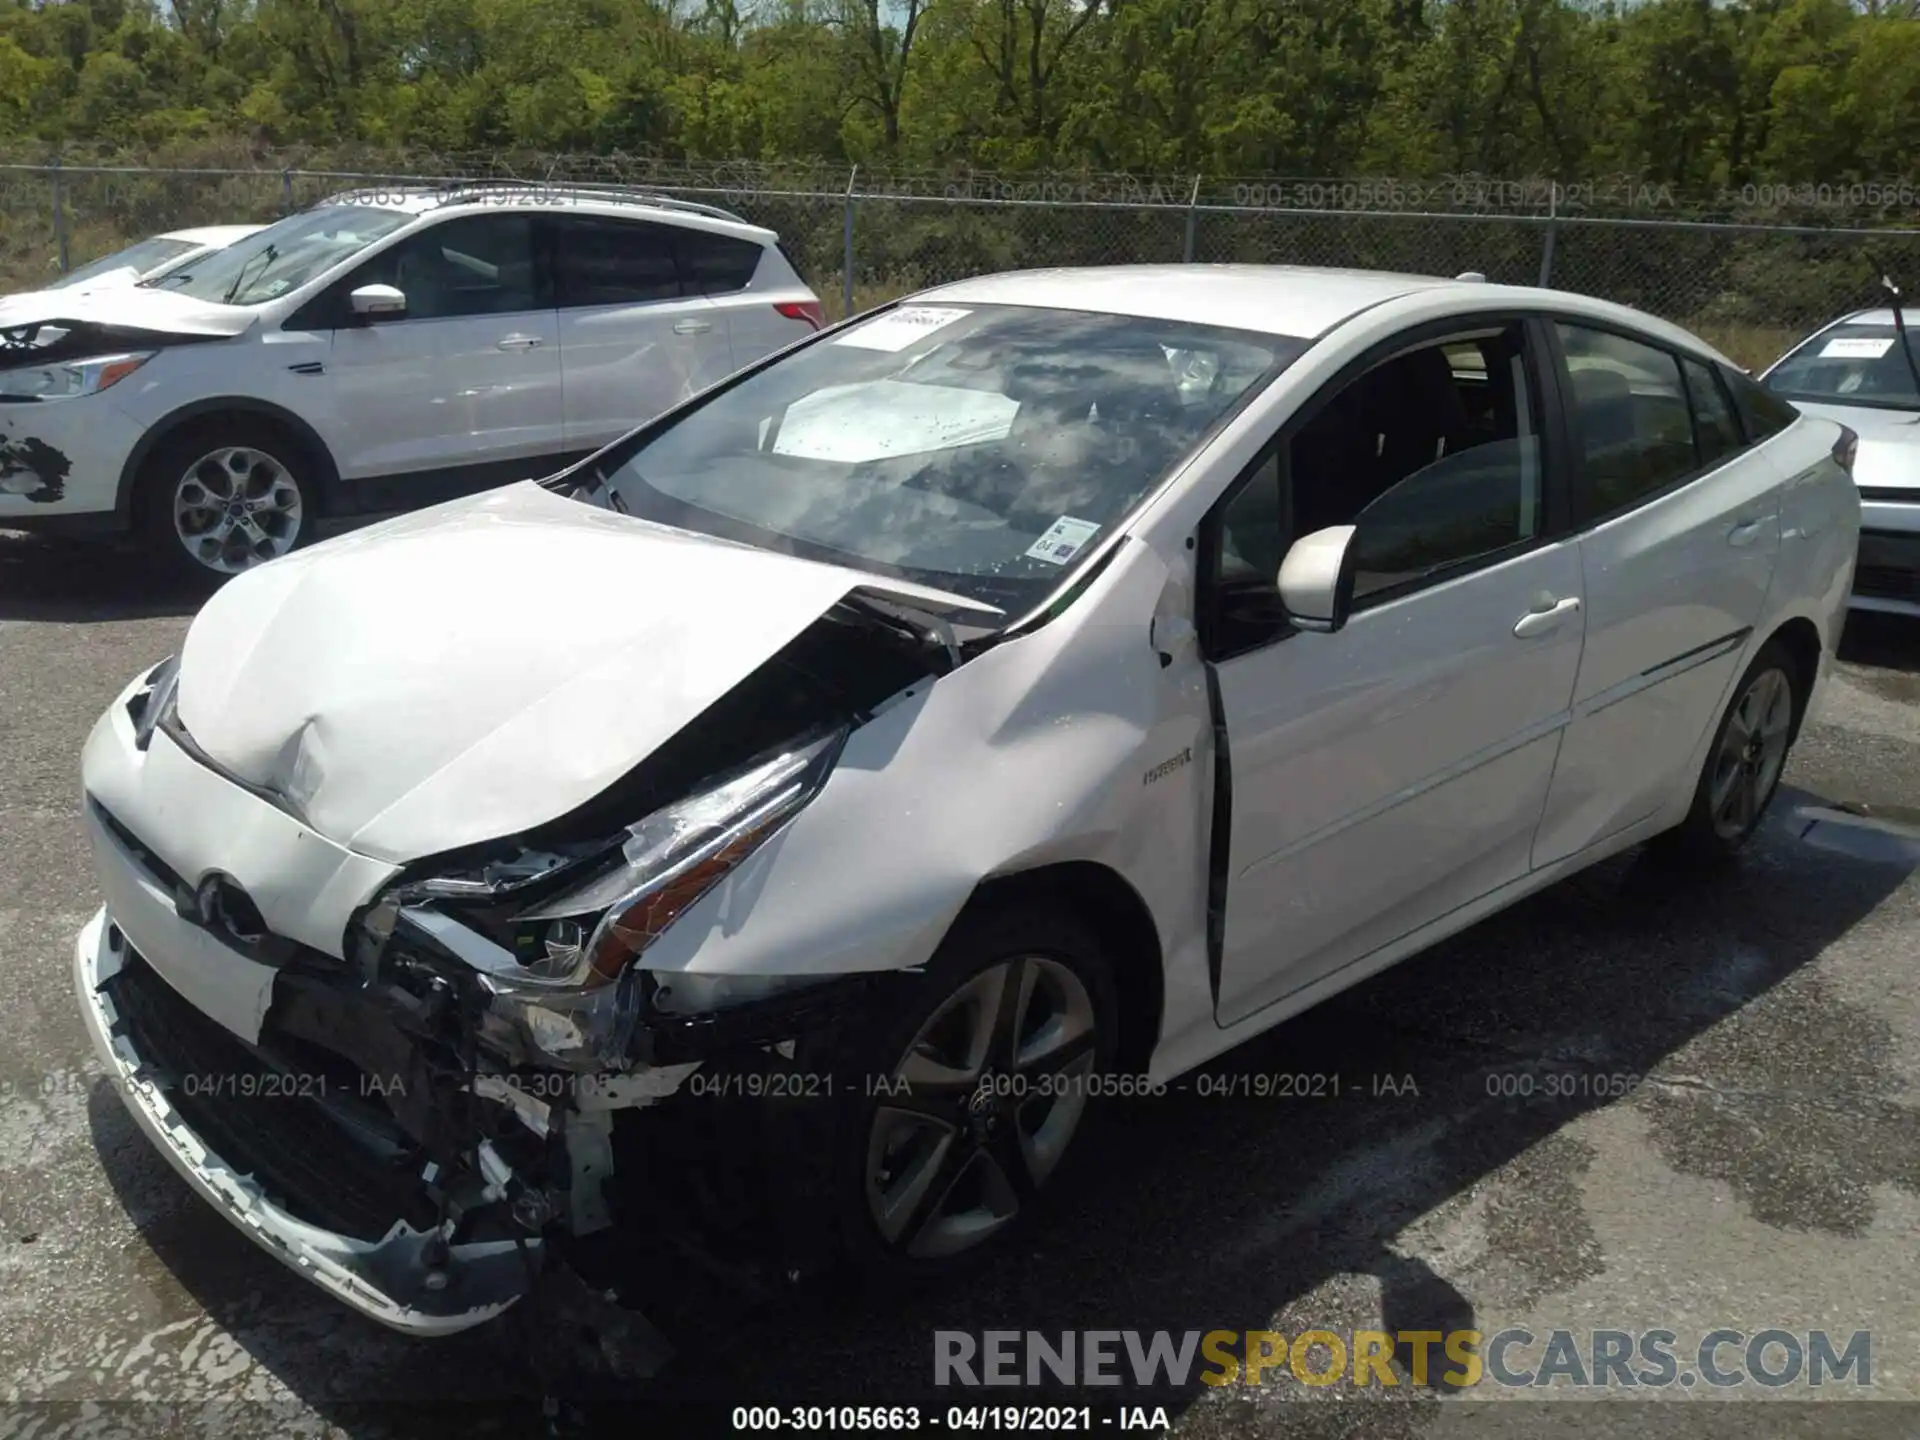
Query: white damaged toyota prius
795	822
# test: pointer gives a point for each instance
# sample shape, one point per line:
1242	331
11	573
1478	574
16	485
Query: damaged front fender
1031	754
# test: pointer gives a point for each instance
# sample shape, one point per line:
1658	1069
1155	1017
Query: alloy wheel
1752	753
236	507
981	1107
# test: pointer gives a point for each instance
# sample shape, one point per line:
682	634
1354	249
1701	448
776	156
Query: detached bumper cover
383	1279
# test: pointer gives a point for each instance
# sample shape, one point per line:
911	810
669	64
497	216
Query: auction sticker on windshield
1856	347
898	329
1065	538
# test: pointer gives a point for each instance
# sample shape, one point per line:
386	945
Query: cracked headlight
590	934
70	379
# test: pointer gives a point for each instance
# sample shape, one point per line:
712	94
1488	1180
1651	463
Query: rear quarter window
1762	412
717	264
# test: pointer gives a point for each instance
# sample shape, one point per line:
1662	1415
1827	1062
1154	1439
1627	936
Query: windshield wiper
1900	329
248	274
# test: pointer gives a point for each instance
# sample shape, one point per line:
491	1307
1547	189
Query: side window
478	265
1763	413
717	264
603	261
1433	457
1715	425
1630	417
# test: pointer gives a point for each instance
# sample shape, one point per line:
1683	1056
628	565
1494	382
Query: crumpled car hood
467	672
132	311
1889	443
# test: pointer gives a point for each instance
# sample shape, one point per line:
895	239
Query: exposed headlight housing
591	933
70	379
149	704
553	935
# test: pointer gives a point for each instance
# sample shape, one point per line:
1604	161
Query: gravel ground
1762	1168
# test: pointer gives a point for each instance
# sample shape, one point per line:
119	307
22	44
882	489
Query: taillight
807	310
1845	448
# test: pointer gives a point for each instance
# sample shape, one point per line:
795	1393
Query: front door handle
520	342
692	327
1745	533
1551	616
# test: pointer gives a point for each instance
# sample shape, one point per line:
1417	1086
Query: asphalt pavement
1633	1102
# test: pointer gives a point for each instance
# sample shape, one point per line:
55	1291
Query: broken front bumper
387	1279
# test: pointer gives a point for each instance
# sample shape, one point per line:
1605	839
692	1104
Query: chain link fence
861	239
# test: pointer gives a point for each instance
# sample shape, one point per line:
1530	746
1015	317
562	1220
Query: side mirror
373	302
1316	579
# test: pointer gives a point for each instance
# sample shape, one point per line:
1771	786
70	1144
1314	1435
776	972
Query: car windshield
284	256
1850	365
141	257
981	449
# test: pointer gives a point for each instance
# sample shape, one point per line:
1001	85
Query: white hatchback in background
143	262
375	353
1858	372
1010	699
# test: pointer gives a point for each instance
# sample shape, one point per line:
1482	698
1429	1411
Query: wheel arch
1800	638
1103	899
200	411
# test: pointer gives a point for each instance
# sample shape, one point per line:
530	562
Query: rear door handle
1745	533
520	342
1550	616
692	327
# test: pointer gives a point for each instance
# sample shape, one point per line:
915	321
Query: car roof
1300	301
1862	317
532	195
213	234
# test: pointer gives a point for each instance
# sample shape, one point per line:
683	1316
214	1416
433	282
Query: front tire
1744	764
972	1094
223	497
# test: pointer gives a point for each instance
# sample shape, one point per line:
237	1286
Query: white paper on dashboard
1857	347
878	419
898	329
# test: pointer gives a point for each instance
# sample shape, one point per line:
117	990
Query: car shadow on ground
1201	1211
1886	642
75	582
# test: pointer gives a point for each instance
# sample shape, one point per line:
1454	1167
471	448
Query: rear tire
225	495
1742	770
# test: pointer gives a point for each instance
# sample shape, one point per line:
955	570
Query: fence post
1193	214
846	251
1546	249
286	192
59	215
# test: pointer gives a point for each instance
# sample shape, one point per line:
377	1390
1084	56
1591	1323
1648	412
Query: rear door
1680	522
635	338
764	302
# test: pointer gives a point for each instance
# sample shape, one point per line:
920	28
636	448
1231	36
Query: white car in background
1861	372
147	261
375	353
799	816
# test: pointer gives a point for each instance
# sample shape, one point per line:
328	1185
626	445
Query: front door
467	377
1386	774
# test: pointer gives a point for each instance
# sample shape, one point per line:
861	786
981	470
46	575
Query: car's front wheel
975	1086
222	498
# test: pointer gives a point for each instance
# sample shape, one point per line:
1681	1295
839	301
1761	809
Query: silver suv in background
381	351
